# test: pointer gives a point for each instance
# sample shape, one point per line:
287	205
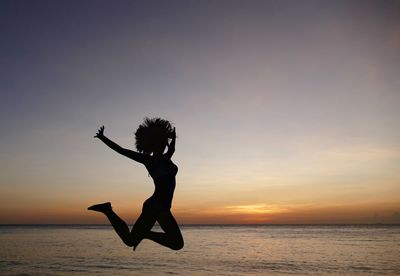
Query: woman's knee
132	240
135	239
177	244
129	241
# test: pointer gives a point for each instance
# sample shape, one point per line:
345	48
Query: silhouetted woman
152	138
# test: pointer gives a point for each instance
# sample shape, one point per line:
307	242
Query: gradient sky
285	111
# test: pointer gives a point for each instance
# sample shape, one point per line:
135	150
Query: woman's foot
103	207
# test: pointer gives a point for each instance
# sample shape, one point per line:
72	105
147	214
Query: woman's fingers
99	132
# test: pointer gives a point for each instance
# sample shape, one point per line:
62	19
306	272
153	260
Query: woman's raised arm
138	157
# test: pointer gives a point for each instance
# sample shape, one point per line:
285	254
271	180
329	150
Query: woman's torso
163	172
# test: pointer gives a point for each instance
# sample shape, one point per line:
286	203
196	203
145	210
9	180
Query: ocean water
209	250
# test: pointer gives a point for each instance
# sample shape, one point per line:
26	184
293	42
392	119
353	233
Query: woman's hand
100	132
173	134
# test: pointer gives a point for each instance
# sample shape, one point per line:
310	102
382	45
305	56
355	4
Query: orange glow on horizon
240	214
254	209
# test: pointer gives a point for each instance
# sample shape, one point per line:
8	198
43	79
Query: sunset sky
285	111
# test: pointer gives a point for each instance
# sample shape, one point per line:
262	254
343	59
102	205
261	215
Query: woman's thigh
144	223
169	225
171	229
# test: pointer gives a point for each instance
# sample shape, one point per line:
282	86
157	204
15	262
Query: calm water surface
209	250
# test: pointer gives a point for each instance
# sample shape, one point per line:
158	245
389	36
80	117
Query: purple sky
278	105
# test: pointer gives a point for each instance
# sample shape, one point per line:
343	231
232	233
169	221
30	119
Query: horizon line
210	224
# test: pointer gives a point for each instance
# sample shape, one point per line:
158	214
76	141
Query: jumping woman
152	137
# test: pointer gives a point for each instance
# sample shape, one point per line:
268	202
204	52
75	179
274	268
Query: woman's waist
163	193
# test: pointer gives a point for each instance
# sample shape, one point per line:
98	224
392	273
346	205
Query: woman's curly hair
153	134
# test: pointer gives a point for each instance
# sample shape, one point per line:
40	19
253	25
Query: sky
285	111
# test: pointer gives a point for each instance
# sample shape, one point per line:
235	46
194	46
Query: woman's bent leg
119	225
172	238
141	227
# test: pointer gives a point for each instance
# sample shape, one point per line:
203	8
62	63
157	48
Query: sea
208	250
